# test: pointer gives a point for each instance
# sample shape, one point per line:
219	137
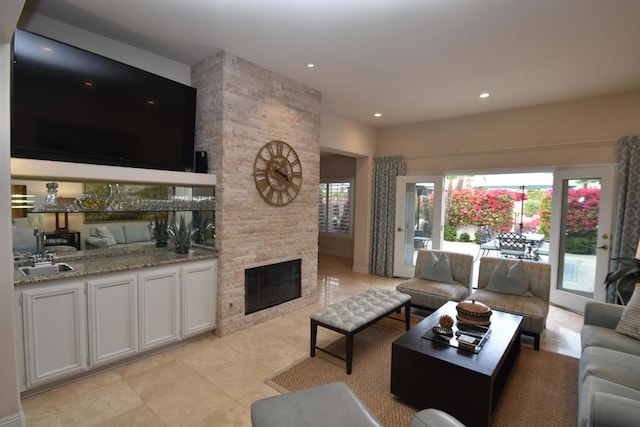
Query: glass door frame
404	222
567	299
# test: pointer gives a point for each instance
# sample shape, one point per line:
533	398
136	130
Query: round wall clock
277	173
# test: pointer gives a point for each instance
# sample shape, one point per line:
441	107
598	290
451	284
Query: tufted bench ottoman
354	314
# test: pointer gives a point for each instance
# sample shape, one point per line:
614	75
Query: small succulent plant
160	232
182	234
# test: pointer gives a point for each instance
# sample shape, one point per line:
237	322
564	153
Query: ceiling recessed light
377	115
484	95
310	65
47	49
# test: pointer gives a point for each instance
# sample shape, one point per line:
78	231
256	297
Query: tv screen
72	105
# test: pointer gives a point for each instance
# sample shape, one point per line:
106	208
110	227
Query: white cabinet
55	331
199	293
66	328
159	306
113	317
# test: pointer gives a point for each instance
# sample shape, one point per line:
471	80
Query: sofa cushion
630	321
425	293
611	365
599	336
509	280
103	232
534	310
593	385
137	233
437	269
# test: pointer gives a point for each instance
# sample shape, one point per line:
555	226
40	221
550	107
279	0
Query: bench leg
314	336
407	315
349	337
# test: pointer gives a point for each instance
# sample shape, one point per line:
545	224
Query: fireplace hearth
270	285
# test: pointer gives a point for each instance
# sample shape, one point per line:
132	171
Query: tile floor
212	381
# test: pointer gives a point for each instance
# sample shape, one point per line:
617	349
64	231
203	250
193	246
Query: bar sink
43	269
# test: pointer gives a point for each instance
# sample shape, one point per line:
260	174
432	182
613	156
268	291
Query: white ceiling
411	60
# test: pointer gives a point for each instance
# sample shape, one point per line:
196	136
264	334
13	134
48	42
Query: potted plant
624	278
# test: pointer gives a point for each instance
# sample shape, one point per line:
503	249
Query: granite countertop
102	261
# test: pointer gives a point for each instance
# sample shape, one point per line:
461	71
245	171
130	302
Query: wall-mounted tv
68	104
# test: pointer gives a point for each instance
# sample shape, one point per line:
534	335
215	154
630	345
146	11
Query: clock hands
282	174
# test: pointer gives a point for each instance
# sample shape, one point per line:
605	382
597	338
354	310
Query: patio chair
513	245
487	242
541	249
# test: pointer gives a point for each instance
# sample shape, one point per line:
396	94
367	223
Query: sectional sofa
609	376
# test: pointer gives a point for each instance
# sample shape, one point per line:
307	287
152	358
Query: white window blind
334	207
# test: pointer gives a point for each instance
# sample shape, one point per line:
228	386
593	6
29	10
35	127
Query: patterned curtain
386	169
627	218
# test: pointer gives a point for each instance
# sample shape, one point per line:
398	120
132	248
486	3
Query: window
334	207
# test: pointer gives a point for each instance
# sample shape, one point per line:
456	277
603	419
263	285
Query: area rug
542	389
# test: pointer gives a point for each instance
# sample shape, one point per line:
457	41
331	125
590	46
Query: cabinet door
113	318
199	293
159	306
55	332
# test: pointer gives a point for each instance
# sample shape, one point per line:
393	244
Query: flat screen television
68	104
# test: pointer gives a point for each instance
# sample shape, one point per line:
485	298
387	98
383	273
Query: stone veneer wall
242	106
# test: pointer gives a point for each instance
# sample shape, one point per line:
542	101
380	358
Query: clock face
277	173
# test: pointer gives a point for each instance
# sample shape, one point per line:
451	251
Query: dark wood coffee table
431	374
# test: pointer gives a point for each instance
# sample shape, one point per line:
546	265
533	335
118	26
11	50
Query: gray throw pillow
437	269
104	233
629	323
509	280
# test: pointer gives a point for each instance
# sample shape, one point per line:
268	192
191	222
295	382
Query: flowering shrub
483	207
582	212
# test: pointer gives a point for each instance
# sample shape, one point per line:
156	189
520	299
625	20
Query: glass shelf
178	203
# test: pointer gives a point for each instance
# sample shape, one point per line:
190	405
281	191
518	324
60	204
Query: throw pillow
104	233
509	280
629	323
437	269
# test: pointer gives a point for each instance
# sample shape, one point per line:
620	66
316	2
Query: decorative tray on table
464	336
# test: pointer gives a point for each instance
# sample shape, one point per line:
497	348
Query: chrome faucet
41	239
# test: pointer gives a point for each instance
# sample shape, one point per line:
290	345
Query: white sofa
117	235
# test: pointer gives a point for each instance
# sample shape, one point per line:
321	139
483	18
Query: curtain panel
627	217
385	171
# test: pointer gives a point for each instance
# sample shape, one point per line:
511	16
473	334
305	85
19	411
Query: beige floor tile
40	411
259	393
142	416
235	416
83	386
163	380
141	365
97	405
238	379
189	403
209	360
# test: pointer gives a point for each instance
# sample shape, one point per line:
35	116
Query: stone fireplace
240	107
271	285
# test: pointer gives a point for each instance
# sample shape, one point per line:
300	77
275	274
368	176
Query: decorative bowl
473	312
90	202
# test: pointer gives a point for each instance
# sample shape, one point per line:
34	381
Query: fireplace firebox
270	285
